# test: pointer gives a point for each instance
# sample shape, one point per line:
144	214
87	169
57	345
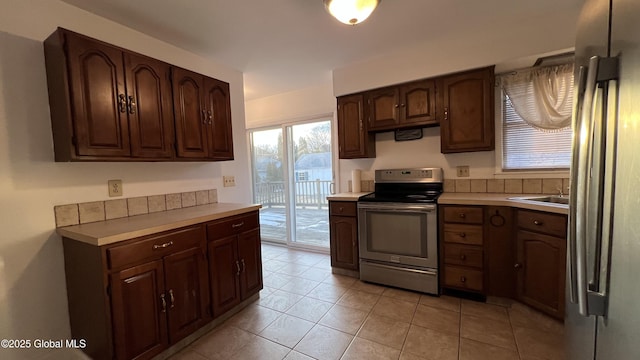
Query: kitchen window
535	121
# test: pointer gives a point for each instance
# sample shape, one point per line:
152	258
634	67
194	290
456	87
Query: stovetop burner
422	185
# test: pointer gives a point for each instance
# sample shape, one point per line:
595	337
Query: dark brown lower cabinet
235	265
139	317
133	299
343	224
541	272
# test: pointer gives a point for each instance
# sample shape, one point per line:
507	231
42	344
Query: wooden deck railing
307	193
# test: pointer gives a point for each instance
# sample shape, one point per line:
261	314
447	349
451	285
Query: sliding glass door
292	176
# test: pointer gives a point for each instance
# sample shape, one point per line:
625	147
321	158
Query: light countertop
502	200
478	199
115	230
348	196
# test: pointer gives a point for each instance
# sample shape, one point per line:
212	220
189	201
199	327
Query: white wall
33	301
291	106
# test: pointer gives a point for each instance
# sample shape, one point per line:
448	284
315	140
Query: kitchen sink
545	199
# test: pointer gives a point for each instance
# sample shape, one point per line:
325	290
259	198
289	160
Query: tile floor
305	312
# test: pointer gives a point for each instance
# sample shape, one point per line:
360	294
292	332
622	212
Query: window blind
527	148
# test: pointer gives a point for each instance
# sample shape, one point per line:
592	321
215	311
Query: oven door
399	233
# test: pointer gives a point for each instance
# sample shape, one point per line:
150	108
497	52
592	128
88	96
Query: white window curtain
542	96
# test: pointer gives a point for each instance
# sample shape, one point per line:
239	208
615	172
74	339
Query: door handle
589	219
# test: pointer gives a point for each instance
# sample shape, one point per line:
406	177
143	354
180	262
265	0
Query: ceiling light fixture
351	12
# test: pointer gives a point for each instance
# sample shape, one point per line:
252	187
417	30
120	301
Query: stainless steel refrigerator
603	268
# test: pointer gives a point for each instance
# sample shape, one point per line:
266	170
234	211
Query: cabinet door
138	310
249	255
187	289
189	112
541	272
353	138
96	76
467	119
224	273
344	242
218	106
149	107
500	246
418	103
384	108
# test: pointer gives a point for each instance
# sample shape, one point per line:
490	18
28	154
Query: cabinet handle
238	268
462	235
446	114
536	222
463	279
210	116
244	267
462	215
122	103
165	245
204	116
164	303
517	265
463	257
171	299
131	107
237	225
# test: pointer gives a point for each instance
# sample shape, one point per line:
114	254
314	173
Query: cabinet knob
536	222
172	299
463	257
396	106
164	303
462	215
402	105
517	265
122	103
341	209
462	235
446	114
131	107
463	279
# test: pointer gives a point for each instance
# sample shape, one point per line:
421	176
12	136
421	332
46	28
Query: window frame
501	173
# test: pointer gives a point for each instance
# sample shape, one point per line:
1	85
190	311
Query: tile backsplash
508	186
75	214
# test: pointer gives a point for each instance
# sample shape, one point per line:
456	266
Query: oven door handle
400	207
396	268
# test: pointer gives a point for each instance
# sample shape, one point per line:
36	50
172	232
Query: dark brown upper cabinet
353	138
403	106
107	103
467	111
202	115
111	104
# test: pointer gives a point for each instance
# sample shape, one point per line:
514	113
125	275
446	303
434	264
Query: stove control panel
421	175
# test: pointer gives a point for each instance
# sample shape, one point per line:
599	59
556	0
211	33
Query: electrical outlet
228	181
115	188
463	171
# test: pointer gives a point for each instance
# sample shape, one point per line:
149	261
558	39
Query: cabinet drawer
156	246
343	208
552	224
463	278
463	214
463	255
232	225
463	234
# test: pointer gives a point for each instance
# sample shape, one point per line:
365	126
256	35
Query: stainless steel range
398	229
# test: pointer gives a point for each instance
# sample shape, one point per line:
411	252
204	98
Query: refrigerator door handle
580	184
596	165
573	191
